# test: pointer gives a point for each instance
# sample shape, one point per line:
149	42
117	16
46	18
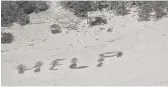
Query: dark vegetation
55	28
80	8
6	38
17	11
98	21
120	8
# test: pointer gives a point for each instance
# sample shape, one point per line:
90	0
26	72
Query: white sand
144	44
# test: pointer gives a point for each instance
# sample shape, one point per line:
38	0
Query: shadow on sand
60	64
80	67
60	59
54	69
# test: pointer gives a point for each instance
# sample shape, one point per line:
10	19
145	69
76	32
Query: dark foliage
80	8
119	7
17	11
148	7
55	28
160	9
9	12
145	8
7	38
98	21
22	18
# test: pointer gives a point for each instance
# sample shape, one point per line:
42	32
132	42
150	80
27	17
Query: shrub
144	10
147	7
17	11
55	28
27	6
119	7
144	15
101	4
159	13
9	12
80	8
41	5
22	18
7	38
160	8
98	21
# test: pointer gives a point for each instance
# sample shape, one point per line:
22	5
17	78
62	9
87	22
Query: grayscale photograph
84	43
